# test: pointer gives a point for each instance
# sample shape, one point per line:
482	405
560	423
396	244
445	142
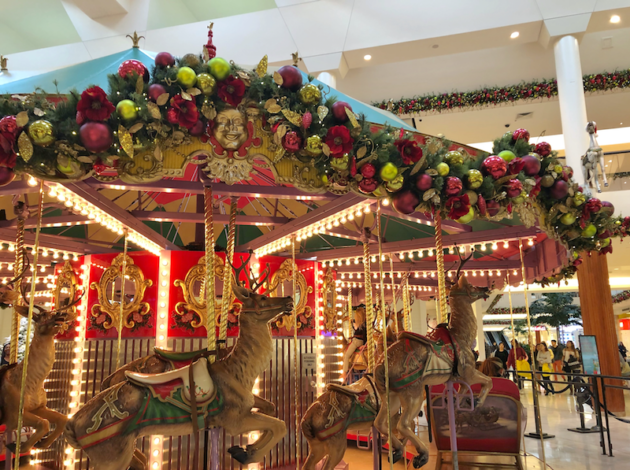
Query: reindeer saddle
178	359
443	356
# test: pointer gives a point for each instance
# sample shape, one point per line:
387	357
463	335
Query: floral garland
505	310
179	100
620	297
494	96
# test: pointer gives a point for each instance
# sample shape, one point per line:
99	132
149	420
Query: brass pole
211	321
121	320
227	274
406	307
296	353
369	308
511	308
385	362
440	268
17	269
29	327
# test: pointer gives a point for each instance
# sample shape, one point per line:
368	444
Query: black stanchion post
580	406
539	434
598	415
610	452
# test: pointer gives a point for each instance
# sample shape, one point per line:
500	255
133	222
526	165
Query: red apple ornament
368	170
521	134
164	59
493	207
291	77
96	136
6	175
197	129
405	202
531	165
155	91
339	110
559	189
607	208
128	67
543	149
424	182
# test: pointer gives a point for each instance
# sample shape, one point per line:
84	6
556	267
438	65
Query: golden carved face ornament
230	129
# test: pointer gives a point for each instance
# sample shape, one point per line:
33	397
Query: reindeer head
259	307
461	287
8	294
46	322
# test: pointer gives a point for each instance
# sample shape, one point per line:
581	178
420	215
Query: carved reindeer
415	361
594	156
107	426
36	414
8	294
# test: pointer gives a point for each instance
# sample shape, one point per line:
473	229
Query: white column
418	317
572	103
328	79
481	341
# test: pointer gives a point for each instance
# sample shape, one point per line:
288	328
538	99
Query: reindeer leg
55	418
472	376
316	452
411	406
272	430
264	406
380	423
41	427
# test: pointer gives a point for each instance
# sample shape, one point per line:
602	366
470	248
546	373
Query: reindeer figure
8	294
107	426
42	352
415	361
594	156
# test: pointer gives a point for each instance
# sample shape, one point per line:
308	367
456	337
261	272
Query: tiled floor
567	451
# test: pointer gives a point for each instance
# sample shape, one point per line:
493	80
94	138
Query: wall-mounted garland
494	96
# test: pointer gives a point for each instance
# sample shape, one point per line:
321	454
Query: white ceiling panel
603	5
100	8
557	8
319	27
49	58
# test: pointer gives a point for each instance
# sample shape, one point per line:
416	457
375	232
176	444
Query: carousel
221	267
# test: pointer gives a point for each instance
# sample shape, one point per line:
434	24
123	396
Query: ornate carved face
230	129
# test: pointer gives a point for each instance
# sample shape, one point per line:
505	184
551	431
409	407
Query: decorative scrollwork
195	304
304	313
329	296
134	312
65	292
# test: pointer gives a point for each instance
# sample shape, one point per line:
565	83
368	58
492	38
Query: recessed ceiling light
615	19
435	46
367	56
514	35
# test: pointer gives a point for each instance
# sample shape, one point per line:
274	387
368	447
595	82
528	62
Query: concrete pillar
481	341
572	103
418	317
330	80
598	319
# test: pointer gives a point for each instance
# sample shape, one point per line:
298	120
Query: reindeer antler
256	283
242	268
27	264
462	261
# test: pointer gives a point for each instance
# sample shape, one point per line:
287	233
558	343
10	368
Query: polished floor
567	451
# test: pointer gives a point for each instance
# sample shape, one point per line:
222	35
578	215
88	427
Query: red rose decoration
521	134
543	149
592	206
101	319
231	90
513	188
94	105
577	262
8	134
409	151
291	141
494	166
536	189
457	206
516	166
481	205
353	167
368	185
339	141
182	112
606	250
453	186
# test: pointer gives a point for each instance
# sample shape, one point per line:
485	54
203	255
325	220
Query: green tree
555	310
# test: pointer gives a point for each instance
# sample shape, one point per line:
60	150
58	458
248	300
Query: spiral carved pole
369	308
17	269
296	353
440	268
406	309
121	320
211	321
227	274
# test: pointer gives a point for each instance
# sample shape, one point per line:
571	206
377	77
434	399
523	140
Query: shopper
502	353
6	354
517	360
359	338
623	350
571	362
544	359
556	349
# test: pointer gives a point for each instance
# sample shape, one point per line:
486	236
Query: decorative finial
209	49
135	39
3	64
296	58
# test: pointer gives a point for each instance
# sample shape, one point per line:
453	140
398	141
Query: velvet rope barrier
29	327
383	316
227	274
121	320
17	269
440	268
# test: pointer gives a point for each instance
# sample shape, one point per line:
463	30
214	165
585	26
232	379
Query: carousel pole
227	274
540	434
385	362
17	269
121	320
296	369
406	309
211	321
29	327
391	274
511	308
440	268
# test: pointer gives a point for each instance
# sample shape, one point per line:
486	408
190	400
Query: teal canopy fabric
78	76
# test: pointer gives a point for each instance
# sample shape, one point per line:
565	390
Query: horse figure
415	361
182	400
594	156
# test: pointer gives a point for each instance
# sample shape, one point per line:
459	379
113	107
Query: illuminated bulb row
319	323
45	252
350	284
321	226
80	206
421	288
347	261
77	361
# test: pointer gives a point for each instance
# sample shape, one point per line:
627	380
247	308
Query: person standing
517	360
556	349
622	350
502	353
544	358
358	339
571	363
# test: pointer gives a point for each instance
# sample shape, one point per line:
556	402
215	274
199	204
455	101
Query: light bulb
506	244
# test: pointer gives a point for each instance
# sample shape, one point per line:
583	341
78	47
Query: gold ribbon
121	320
440	268
385	363
29	327
227	273
211	321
